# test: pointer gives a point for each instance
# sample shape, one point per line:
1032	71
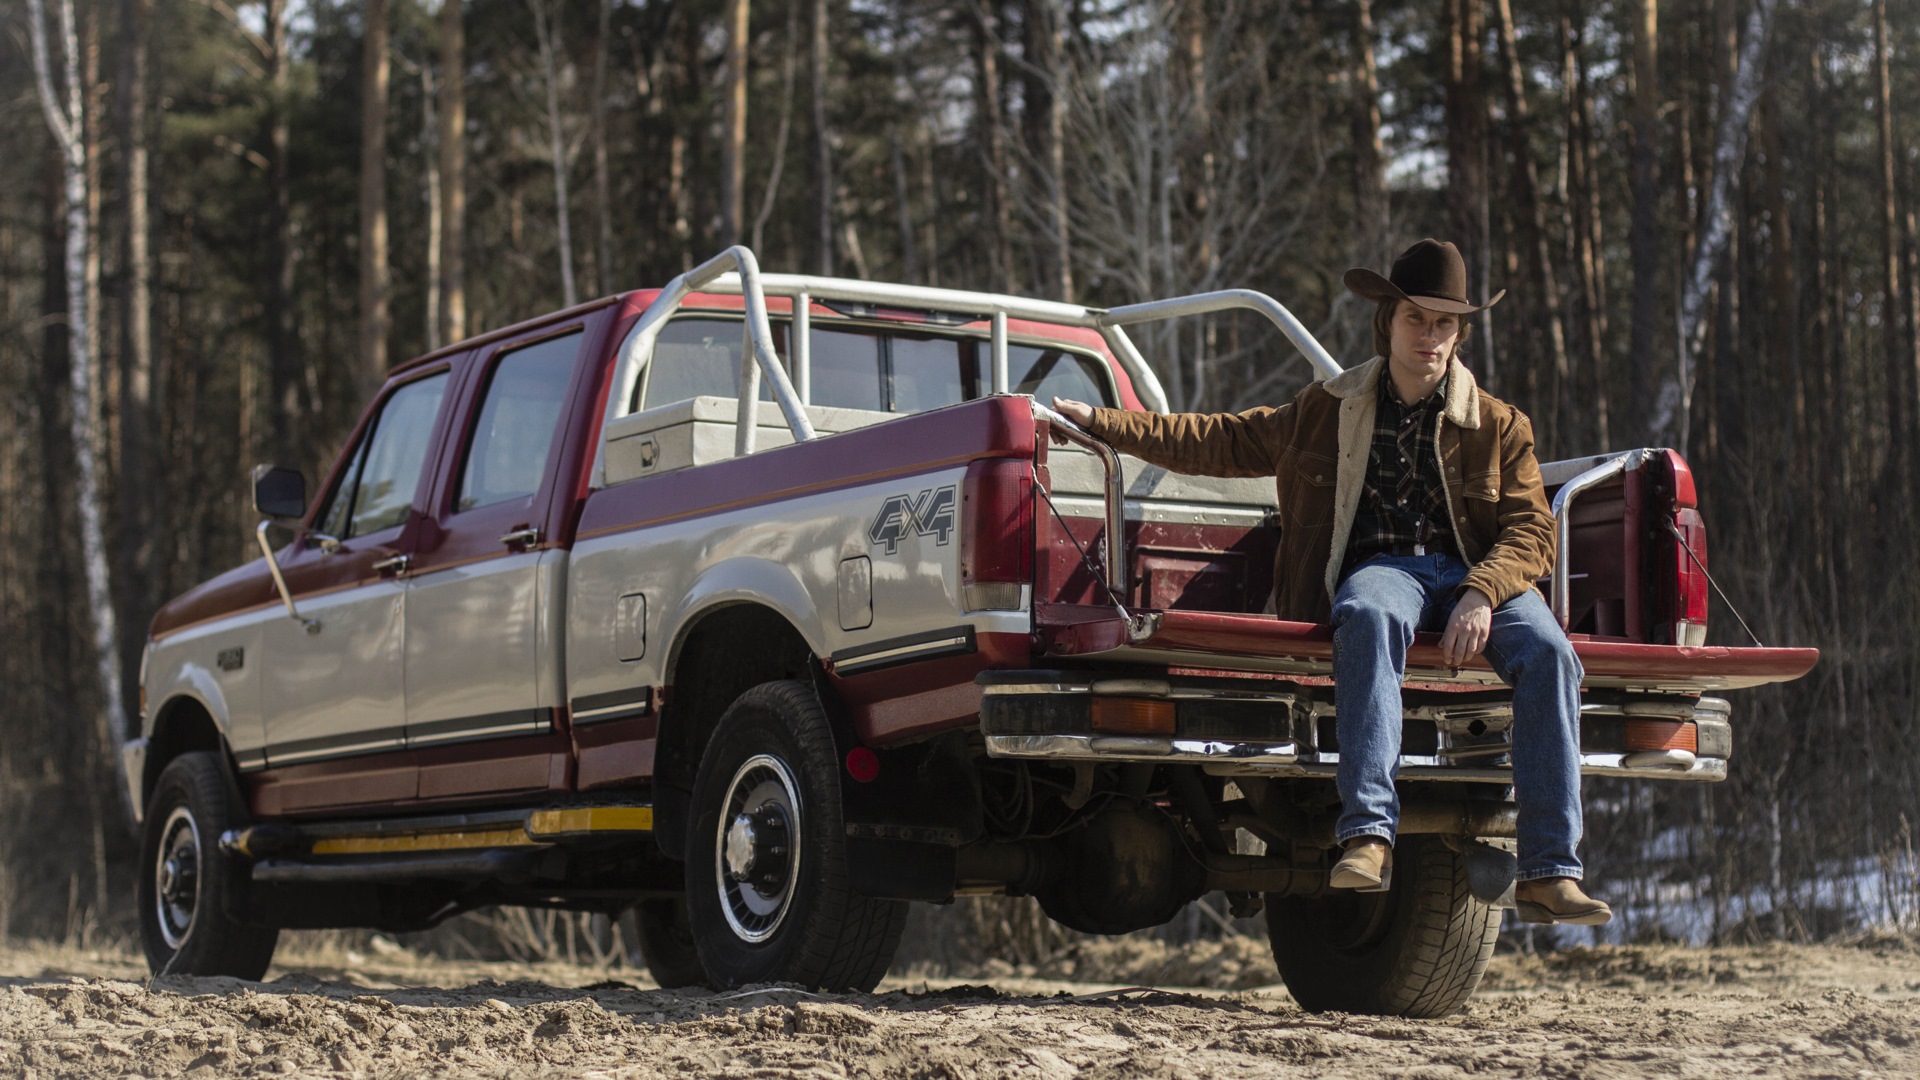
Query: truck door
482	657
339	691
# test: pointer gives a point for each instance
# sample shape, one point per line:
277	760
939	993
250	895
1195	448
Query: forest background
222	220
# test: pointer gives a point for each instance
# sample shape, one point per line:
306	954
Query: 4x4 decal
929	513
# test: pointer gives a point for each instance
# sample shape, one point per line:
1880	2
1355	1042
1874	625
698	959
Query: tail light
996	534
1690	578
1132	716
1643	735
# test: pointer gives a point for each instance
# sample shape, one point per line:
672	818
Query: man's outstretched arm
1202	444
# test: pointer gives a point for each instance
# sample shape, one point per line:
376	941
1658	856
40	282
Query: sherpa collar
1463	401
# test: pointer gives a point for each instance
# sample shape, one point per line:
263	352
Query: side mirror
279	493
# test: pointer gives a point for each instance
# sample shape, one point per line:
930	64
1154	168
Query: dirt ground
1814	1011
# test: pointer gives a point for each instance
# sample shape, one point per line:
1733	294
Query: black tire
1418	950
767	886
187	885
666	943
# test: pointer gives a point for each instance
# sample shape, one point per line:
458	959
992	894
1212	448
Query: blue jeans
1376	611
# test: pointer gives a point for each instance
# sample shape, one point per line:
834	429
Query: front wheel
187	885
1417	950
768	895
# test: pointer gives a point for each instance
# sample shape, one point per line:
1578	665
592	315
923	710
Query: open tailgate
1261	643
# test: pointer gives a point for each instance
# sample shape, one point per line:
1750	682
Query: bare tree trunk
1644	232
820	160
1533	226
990	119
283	359
904	99
1829	321
375	274
770	197
430	172
1782	256
1730	147
930	183
733	149
547	30
1372	209
1899	364
64	120
1583	226
1468	214
104	421
1046	130
137	471
453	172
602	182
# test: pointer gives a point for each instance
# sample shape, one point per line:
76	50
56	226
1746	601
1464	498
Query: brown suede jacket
1316	447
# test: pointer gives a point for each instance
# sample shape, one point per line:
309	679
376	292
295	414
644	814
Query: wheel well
183	726
725	653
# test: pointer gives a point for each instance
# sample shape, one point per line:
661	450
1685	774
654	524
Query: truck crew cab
763	605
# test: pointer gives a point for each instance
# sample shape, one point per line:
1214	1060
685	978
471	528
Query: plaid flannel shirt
1404	502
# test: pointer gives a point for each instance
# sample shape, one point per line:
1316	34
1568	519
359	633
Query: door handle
528	536
395	563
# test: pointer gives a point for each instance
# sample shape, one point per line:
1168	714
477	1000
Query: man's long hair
1383	329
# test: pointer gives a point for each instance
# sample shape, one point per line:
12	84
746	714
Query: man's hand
1077	411
1467	628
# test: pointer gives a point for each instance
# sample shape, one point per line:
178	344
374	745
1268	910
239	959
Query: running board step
452	832
433	866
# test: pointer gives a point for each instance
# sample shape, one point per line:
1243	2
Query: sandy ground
1842	1010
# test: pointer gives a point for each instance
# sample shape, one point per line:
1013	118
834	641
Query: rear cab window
875	368
511	445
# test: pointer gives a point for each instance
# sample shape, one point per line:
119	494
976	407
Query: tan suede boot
1367	866
1558	900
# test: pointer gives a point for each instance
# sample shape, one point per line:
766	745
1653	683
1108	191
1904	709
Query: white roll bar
757	355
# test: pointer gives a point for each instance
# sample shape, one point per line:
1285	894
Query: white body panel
343	689
187	663
784	555
473	650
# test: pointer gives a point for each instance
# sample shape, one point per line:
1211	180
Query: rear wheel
666	943
768	896
1417	950
187	885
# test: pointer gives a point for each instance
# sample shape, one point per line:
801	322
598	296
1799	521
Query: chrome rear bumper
1233	728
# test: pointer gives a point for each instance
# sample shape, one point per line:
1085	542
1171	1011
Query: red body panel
989	427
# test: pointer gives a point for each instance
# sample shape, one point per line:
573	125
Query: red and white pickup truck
763	604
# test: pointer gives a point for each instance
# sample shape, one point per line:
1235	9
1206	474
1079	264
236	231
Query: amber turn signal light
1662	735
1132	716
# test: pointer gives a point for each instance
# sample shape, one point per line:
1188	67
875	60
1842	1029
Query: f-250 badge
929	513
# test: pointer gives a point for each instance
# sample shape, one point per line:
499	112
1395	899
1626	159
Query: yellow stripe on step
543	824
437	841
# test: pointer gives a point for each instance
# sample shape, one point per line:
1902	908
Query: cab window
512	441
376	491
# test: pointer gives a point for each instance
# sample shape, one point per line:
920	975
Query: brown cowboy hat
1430	273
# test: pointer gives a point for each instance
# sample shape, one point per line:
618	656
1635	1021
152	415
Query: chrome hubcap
176	877
756	861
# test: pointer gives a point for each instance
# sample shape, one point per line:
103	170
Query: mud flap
1490	873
